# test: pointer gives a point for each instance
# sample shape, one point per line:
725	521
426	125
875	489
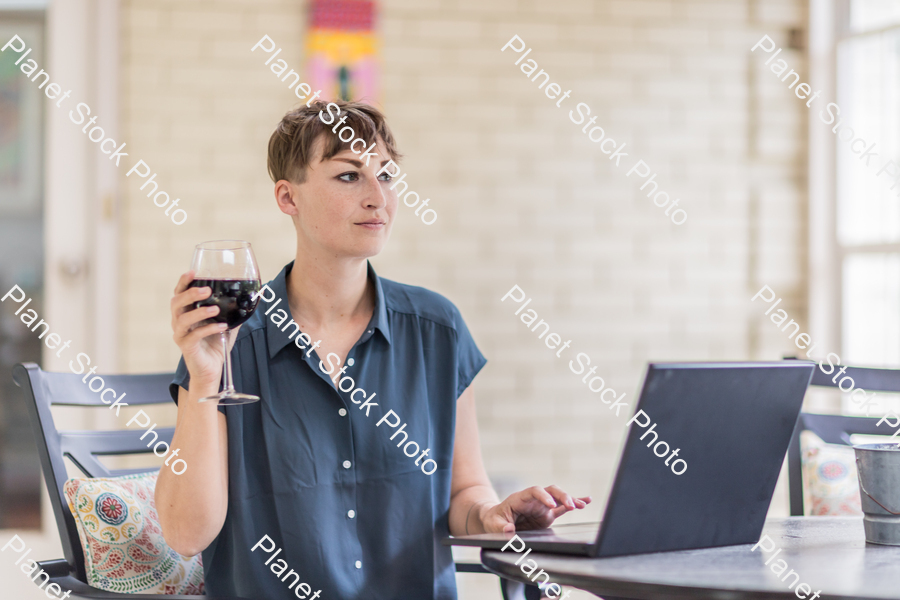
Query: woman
319	467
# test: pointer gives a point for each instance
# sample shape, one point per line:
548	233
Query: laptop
730	422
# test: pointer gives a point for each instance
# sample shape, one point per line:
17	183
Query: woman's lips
373	225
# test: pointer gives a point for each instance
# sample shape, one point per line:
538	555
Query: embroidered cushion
829	477
123	545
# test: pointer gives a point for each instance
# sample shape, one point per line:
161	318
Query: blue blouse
334	488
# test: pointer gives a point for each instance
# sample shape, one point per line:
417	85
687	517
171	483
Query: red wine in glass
229	269
236	299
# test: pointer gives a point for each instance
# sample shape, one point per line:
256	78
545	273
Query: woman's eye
385	177
350	176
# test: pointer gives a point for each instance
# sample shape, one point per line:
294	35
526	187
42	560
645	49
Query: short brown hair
293	142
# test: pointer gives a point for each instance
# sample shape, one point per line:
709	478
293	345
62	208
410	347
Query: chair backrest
836	429
43	390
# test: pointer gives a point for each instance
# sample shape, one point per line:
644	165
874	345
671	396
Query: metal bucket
878	468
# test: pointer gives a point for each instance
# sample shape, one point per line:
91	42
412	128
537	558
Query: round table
830	554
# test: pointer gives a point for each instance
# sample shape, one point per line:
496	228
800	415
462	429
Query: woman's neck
324	292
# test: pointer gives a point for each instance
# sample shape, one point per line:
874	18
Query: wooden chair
43	390
835	429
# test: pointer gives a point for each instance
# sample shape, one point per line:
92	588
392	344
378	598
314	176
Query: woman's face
343	208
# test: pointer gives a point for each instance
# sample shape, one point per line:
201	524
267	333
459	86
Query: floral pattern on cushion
124	549
830	485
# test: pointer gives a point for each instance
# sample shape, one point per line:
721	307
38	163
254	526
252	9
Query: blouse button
351	513
350	362
343	412
359	564
346	464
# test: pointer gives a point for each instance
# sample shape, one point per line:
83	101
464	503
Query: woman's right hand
200	345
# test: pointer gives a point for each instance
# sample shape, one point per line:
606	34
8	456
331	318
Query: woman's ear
285	197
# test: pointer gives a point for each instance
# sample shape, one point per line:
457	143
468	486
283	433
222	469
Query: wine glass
229	269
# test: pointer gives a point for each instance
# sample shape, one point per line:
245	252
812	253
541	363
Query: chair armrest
61	574
471	567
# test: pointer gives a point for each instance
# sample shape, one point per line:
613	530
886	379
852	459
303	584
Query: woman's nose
376	196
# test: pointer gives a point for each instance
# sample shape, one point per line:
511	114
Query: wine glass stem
227	384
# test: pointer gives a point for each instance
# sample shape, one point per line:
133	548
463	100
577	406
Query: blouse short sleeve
469	358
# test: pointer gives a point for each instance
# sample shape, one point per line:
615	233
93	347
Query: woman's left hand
532	508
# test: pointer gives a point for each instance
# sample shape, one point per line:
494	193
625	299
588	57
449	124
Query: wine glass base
230	399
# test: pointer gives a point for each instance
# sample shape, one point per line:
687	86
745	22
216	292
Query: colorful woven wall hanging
342	50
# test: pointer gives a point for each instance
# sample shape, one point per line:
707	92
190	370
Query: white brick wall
522	197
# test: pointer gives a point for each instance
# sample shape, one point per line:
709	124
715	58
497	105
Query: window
867	82
854	215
